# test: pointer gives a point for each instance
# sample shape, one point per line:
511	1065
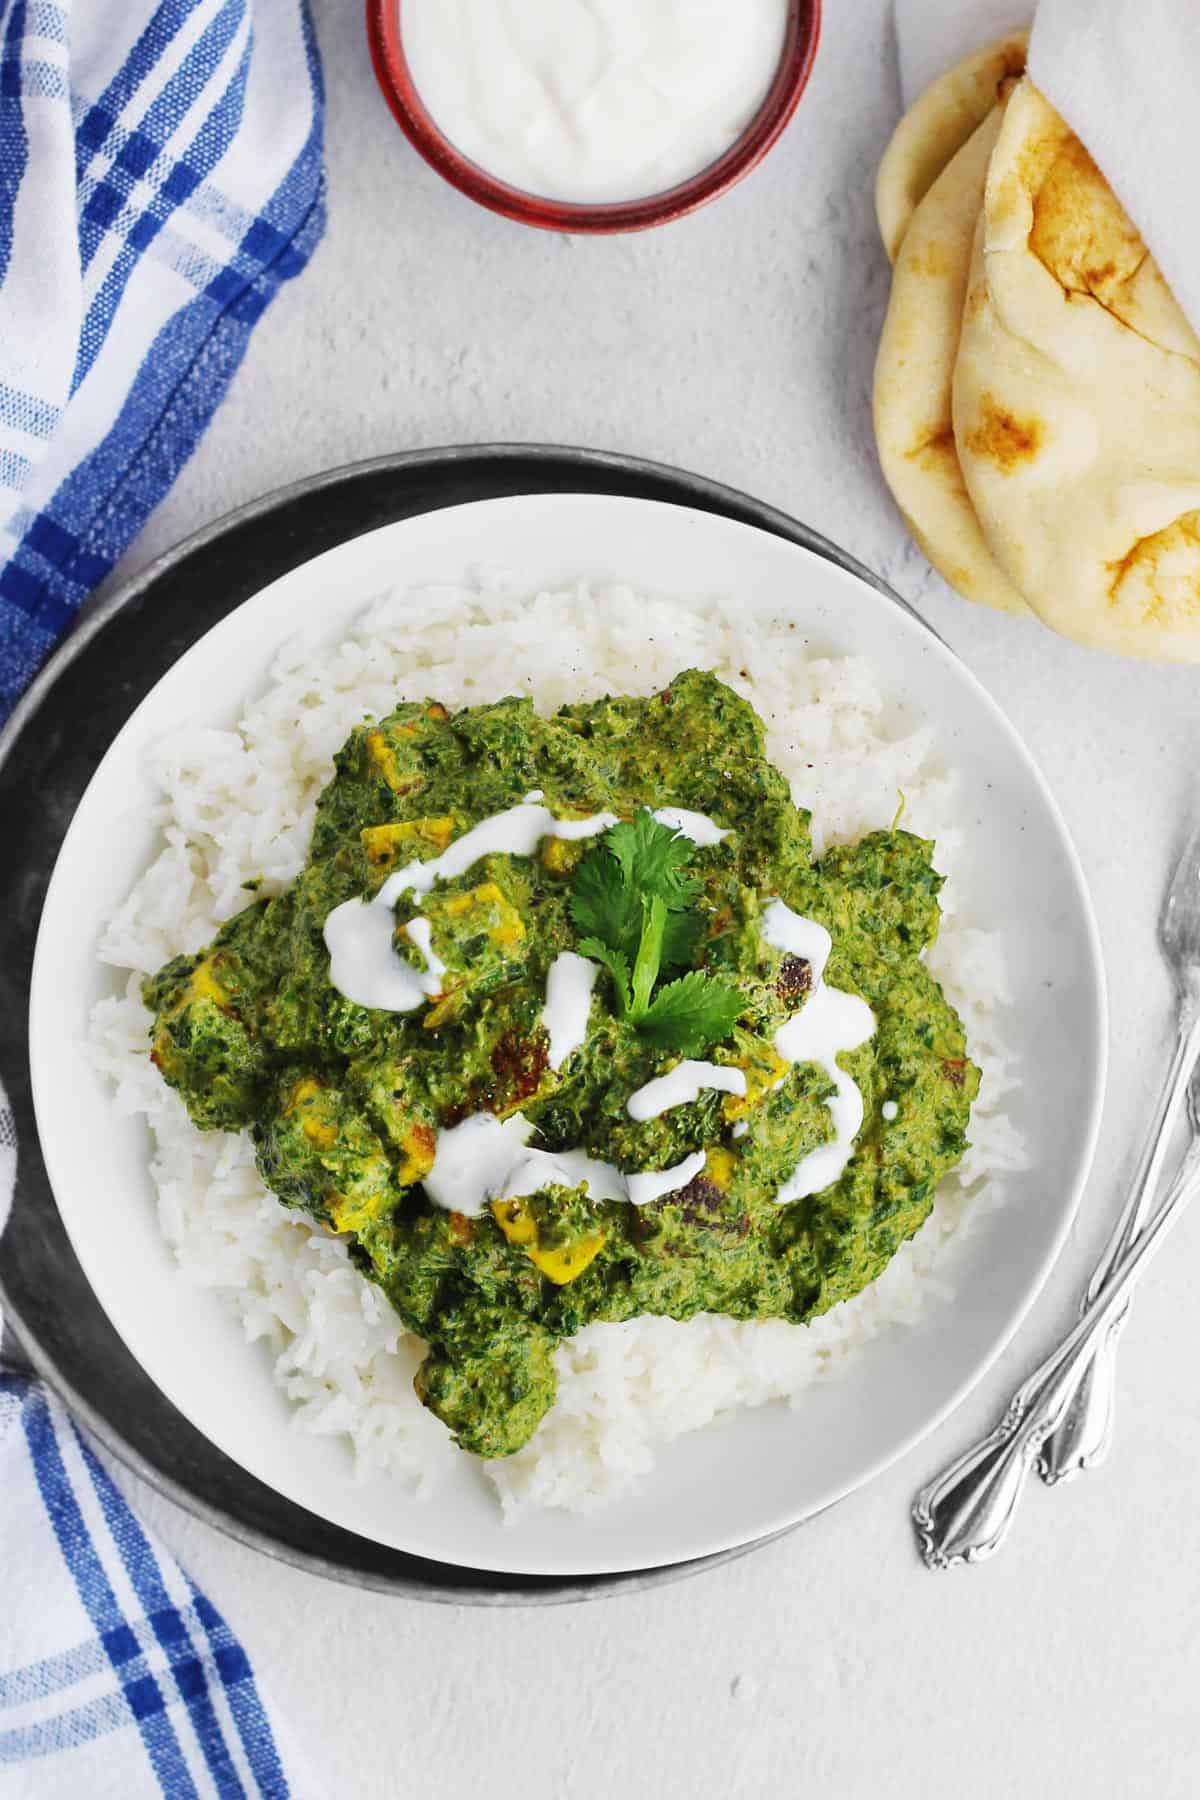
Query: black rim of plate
48	752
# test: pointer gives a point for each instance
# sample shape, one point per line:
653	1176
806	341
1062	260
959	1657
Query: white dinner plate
763	1469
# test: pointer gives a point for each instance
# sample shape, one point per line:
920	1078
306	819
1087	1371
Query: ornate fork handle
964	1515
12	1355
1081	1436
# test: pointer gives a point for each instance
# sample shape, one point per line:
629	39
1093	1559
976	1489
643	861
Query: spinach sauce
345	1103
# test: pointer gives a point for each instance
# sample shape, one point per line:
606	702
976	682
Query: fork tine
1179	922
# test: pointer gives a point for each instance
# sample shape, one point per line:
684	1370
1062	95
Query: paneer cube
407	840
563	1262
479	935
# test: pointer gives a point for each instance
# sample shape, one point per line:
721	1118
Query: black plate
48	753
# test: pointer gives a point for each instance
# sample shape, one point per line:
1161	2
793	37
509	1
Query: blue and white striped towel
160	176
118	1677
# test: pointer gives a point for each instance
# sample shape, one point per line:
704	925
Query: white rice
237	805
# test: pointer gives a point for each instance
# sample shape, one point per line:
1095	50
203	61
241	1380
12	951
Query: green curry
347	1103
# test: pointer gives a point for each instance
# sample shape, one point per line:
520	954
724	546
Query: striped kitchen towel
160	175
118	1677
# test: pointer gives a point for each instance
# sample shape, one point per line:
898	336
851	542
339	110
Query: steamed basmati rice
237	805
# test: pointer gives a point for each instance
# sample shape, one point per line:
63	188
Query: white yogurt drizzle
829	1022
358	934
681	1085
362	963
486	1159
569	985
364	966
652	1184
694	825
420	933
516	832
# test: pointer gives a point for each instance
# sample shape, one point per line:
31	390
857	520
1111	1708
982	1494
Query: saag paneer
347	1103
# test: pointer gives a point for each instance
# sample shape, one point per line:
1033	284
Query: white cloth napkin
1124	74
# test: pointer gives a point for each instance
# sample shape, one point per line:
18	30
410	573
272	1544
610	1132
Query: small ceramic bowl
386	37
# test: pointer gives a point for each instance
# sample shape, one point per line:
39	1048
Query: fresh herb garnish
633	905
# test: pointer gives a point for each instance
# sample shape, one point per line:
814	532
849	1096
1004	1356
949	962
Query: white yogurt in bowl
593	102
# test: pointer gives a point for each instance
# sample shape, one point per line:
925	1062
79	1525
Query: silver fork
964	1515
1084	1436
1062	1416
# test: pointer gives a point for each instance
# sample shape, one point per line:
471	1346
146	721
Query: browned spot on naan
1012	57
1004	438
931	258
1160	575
976	300
1080	231
1035	158
938	440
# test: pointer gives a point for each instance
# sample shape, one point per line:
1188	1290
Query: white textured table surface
739	343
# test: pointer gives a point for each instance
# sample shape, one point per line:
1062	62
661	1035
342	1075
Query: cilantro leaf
691	1014
631	903
649	955
653	858
604	906
681	934
617	965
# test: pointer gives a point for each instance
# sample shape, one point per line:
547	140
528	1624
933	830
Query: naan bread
914	373
1076	400
936	126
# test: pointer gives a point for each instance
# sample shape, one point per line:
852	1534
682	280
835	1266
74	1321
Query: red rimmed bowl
386	38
